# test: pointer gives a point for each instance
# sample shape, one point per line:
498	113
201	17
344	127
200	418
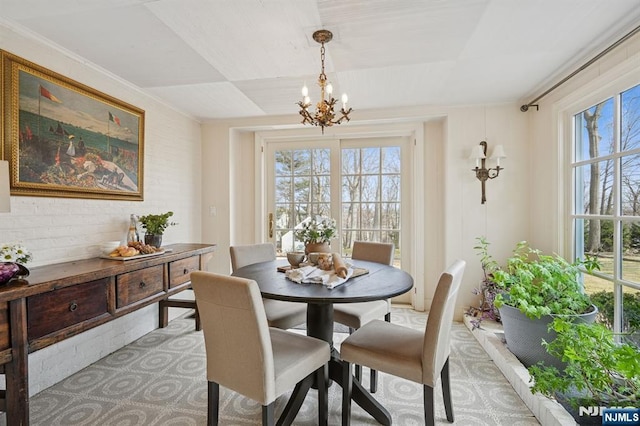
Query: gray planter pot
524	336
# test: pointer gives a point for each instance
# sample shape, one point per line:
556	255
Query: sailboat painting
64	139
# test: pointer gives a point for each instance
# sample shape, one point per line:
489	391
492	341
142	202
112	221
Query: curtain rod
525	107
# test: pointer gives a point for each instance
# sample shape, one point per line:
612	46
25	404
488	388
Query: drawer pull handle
142	284
186	271
73	306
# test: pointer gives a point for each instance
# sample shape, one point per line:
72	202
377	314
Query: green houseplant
599	372
316	234
533	288
488	289
155	225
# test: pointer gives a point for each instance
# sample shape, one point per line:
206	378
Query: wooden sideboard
61	300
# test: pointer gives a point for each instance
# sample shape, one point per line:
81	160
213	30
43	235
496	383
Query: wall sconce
479	154
5	199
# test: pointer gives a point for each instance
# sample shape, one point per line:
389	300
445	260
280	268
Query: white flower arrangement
318	230
14	253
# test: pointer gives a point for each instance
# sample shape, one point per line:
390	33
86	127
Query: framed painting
64	139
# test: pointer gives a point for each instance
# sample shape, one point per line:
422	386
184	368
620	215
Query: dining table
370	281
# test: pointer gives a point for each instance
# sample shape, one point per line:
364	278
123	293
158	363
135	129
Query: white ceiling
244	58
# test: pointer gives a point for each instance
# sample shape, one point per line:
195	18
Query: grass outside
630	272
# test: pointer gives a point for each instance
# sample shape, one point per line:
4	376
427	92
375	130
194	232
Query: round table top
381	282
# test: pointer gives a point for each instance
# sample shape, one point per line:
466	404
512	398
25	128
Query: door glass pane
350	161
370	162
391	160
372	176
302	190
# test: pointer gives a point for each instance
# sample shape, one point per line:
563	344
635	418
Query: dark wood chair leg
446	391
347	386
323	395
373	381
198	324
429	413
268	414
373	375
358	368
296	400
213	401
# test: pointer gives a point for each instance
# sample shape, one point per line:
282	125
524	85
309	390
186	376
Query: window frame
573	237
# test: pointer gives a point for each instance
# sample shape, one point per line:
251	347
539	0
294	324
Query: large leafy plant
599	371
539	284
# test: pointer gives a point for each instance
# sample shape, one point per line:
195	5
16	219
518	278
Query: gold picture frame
65	139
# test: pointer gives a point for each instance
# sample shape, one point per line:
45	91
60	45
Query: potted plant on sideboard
155	225
536	288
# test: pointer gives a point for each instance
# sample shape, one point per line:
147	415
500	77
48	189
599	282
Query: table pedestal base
320	325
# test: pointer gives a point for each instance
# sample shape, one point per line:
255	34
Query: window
606	213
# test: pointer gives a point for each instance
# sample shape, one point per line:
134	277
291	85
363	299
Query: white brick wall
63	229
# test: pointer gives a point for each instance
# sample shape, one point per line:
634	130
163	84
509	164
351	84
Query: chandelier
324	115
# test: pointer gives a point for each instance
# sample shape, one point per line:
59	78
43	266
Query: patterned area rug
160	380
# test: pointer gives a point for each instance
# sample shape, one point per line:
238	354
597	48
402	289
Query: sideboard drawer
180	270
55	310
137	285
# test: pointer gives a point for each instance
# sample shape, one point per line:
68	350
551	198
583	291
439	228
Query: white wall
453	214
60	229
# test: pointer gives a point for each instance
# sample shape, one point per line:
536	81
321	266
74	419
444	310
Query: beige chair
247	356
280	314
355	315
404	352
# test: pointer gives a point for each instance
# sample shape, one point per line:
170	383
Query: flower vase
9	270
317	248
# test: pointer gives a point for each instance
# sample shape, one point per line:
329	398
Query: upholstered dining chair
280	314
404	352
355	315
247	356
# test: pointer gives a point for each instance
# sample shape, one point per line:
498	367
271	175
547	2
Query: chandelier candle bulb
305	92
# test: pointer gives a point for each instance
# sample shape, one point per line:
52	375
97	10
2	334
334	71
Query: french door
358	182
